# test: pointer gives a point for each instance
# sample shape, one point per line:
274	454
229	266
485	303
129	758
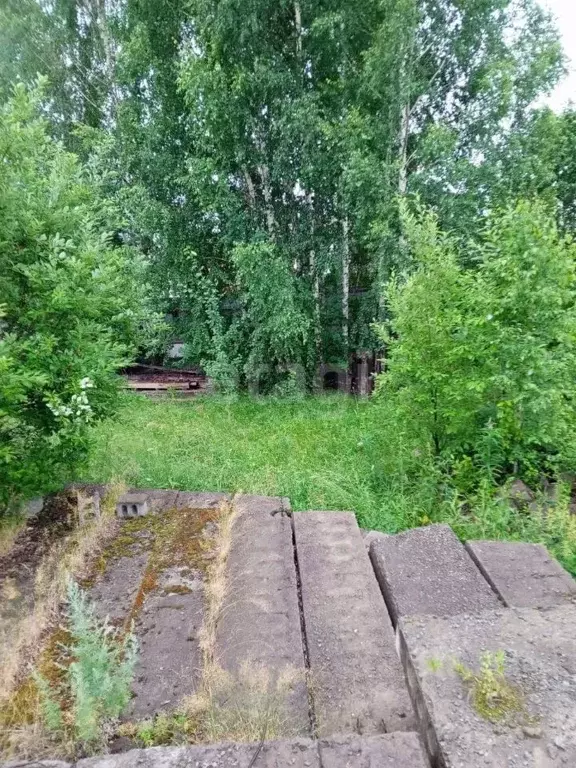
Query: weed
434	665
492	695
98	677
72	556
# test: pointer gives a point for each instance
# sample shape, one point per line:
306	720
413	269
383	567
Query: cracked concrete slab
114	594
169	664
260	621
356	677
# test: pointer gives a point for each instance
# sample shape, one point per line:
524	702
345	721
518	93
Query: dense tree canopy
288	130
254	157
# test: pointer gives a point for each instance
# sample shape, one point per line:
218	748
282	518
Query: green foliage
72	302
164	728
98	676
492	696
481	361
326	452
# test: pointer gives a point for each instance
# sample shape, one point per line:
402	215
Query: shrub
481	361
98	678
72	303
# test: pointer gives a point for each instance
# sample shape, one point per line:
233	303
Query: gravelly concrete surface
392	750
198	500
301	753
540	649
524	575
428	571
395	750
356	677
260	620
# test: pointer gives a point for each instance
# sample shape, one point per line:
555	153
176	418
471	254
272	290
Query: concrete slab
428	571
540	654
299	753
169	663
370	536
199	500
523	575
260	618
393	750
114	594
356	677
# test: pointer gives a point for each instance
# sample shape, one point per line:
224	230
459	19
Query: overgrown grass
322	452
325	452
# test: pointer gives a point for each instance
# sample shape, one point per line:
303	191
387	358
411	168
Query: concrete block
197	500
523	575
132	505
540	653
298	753
428	571
356	677
392	750
260	620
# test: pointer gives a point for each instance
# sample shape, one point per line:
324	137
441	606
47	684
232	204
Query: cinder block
524	575
428	571
132	505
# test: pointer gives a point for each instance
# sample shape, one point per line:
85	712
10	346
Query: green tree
481	361
73	305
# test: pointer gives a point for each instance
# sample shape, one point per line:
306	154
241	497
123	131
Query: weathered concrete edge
399	749
421	706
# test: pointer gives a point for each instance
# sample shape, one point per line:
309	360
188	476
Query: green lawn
325	452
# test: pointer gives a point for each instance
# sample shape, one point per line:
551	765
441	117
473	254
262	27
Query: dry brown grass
246	706
73	556
216	585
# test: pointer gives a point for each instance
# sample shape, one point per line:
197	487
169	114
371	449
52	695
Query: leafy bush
481	361
72	302
98	678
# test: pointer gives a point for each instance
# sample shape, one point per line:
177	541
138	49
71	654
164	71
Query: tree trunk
267	193
298	24
345	283
404	135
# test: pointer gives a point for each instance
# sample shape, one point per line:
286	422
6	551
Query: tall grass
325	452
